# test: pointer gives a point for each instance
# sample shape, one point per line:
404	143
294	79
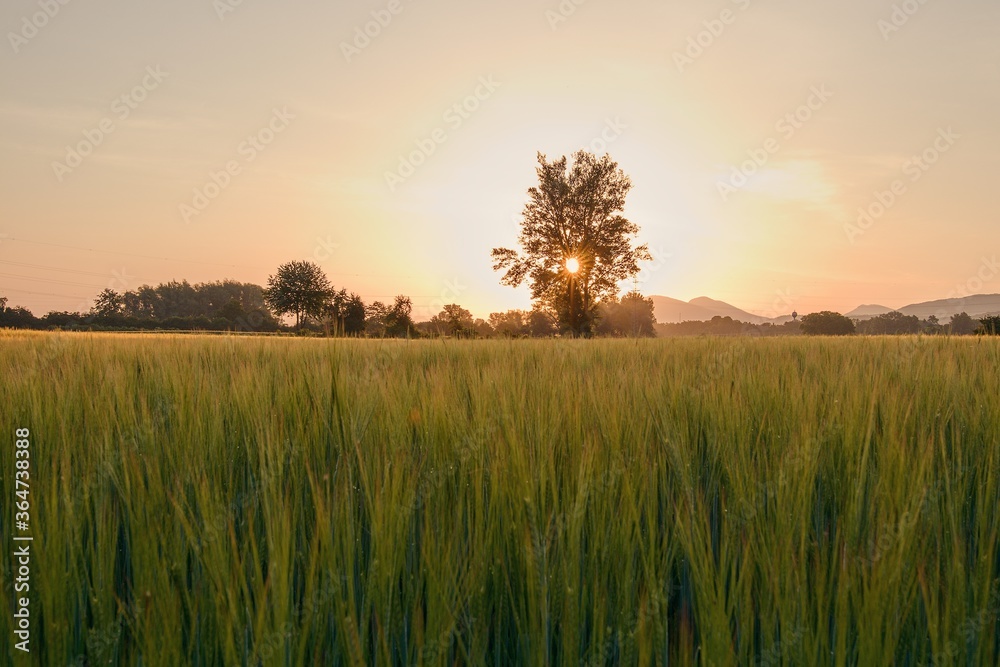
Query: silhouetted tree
108	304
510	324
17	317
931	325
962	325
575	245
345	314
232	311
989	326
376	319
541	324
632	316
892	324
299	288
399	319
481	328
453	321
827	323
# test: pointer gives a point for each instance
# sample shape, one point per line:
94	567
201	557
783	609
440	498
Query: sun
572	265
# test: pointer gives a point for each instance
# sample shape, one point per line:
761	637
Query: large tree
827	323
299	288
575	244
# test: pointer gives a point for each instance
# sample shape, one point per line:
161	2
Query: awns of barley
247	501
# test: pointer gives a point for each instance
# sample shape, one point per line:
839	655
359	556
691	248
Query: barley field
280	501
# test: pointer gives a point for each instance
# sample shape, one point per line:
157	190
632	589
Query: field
244	501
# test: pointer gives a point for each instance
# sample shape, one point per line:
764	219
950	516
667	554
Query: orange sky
225	138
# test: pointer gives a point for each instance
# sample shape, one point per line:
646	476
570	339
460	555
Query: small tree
344	314
454	321
827	323
633	316
962	325
892	324
989	326
376	319
931	325
108	303
482	328
541	323
510	324
399	318
233	311
299	288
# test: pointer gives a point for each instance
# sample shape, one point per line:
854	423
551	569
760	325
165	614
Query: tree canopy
575	246
892	324
827	323
299	288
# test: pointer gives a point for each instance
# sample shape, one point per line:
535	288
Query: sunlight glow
572	265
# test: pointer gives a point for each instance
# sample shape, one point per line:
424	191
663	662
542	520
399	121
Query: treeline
319	309
727	326
827	323
216	306
301	289
631	316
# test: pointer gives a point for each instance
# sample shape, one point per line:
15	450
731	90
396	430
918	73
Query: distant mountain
701	309
976	305
868	311
723	309
672	311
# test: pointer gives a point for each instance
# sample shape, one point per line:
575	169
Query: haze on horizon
832	103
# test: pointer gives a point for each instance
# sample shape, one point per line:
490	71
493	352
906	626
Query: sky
785	155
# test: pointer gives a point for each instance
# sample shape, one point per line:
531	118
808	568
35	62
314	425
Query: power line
53	268
25	291
49	280
130	254
184	261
